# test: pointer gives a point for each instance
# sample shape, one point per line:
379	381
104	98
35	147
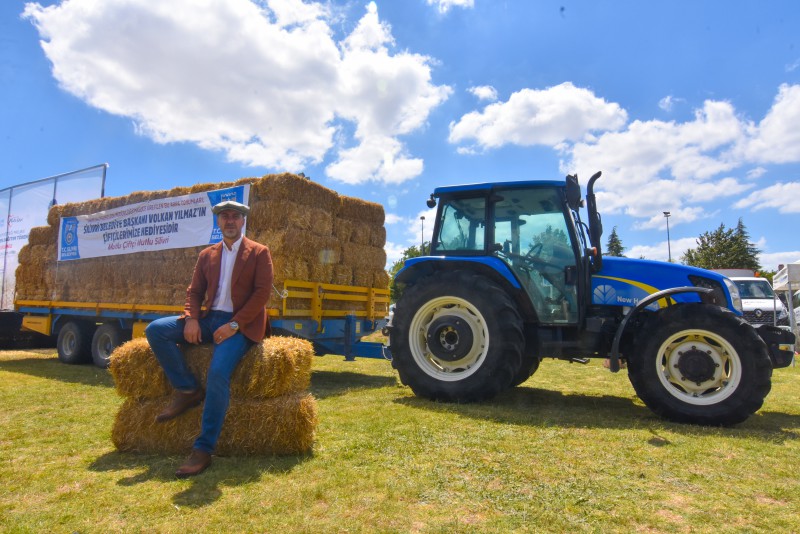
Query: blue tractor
515	276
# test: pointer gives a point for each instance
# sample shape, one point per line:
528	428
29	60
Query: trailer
22	207
333	317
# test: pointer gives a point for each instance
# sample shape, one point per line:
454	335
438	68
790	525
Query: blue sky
688	107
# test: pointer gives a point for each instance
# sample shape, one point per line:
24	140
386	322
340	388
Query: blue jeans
165	334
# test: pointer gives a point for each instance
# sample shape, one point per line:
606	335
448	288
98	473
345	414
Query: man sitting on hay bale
234	280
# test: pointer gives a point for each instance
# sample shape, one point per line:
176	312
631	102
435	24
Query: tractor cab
526	225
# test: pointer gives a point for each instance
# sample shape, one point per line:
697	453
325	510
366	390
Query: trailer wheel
456	336
107	337
700	364
74	343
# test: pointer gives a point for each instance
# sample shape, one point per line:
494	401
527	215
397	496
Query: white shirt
222	300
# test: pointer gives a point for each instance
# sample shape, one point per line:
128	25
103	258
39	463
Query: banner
161	224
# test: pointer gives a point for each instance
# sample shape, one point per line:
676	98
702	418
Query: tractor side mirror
574	200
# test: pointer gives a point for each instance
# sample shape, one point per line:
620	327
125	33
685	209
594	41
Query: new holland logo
604	294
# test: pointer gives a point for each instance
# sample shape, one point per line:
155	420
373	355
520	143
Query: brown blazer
251	286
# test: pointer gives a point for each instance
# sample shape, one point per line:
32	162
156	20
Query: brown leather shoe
196	463
180	403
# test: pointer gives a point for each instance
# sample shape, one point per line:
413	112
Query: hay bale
289	214
362	211
278	188
306	226
42	235
276	366
365	257
279	426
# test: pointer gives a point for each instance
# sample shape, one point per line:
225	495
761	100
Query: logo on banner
69	239
215	197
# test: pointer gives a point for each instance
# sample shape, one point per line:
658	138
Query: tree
550	237
411	252
614	246
724	248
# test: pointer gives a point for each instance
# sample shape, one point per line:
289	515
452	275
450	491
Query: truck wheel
107	337
700	364
73	343
456	336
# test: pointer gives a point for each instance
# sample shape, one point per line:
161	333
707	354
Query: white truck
759	302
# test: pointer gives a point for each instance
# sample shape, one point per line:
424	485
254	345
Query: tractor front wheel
698	363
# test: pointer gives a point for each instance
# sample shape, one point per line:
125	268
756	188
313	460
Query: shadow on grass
205	488
53	369
330	384
540	407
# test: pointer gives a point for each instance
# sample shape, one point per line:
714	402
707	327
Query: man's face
231	223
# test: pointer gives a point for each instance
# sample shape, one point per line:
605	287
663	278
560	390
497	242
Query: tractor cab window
532	236
462	225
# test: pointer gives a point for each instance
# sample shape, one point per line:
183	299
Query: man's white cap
230	205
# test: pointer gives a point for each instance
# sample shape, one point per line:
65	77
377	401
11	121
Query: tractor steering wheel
533	253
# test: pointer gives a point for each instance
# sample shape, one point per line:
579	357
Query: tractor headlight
734	291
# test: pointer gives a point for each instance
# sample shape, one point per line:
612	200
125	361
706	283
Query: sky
687	107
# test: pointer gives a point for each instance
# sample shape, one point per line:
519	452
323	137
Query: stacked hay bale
270	412
313	233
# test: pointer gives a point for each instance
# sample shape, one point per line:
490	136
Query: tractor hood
626	281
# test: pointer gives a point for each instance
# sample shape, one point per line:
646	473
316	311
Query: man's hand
191	331
223	332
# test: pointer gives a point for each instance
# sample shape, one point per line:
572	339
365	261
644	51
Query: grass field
571	450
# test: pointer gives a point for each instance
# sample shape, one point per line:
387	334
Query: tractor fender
654	297
490	267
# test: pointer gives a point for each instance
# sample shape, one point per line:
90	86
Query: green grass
570	450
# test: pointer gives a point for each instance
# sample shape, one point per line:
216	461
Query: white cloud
649	166
770	261
538	117
445	5
661	251
783	198
262	81
394	252
393	218
484	92
776	139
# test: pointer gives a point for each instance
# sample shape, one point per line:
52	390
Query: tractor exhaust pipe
595	223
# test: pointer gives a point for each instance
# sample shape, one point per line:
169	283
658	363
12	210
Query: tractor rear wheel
701	364
456	336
